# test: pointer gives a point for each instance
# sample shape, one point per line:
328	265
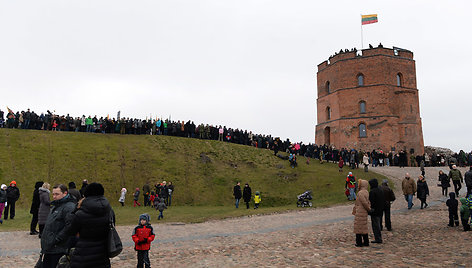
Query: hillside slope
202	171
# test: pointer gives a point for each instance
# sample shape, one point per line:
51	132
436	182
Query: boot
359	240
366	240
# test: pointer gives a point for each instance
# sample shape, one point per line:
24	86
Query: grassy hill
203	172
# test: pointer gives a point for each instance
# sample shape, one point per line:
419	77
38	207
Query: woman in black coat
90	222
422	191
35	208
247	194
445	182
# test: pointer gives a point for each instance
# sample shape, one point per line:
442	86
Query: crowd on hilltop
352	157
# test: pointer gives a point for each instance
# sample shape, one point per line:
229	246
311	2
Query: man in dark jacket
389	198
55	240
82	189
377	202
74	192
468	181
35	208
146	193
247	194
13	194
91	221
237	193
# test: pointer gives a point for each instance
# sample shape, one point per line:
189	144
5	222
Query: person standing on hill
247	194
237	193
13	194
409	189
456	177
170	189
389	197
422	191
74	192
146	192
84	185
377	201
3	200
35	208
351	185
468	180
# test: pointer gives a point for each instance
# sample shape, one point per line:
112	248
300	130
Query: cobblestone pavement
309	238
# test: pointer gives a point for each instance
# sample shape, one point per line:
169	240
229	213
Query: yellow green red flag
368	19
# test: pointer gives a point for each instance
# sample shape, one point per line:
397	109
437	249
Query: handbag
114	245
39	263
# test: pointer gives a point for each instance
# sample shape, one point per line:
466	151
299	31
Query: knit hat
385	182
123	189
3	186
94	189
12	182
145	217
350	173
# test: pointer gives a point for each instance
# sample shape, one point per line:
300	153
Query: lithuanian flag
368	19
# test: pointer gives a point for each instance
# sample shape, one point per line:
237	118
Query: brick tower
369	100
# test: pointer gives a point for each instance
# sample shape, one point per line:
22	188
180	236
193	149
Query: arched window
327	87
362	107
328	113
362	130
399	80
360	79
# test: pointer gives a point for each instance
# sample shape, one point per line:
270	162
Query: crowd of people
377	202
159	126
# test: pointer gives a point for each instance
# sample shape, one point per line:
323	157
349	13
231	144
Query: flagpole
362	36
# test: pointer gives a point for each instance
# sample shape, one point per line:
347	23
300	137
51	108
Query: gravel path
308	238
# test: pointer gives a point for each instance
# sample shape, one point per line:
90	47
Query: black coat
35	203
13	194
422	189
389	195
91	222
247	194
376	198
468	178
445	181
237	192
3	196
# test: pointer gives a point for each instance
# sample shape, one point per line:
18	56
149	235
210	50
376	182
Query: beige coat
408	186
361	209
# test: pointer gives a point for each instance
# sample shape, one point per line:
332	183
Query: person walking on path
452	205
90	222
351	186
122	196
377	202
409	189
13	194
55	240
422	168
465	214
237	193
445	182
44	206
456	177
247	194
468	180
360	211
422	191
35	208
389	197
3	200
143	235
160	207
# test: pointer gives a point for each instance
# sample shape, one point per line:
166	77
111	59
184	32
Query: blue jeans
352	194
161	216
89	128
409	199
237	203
170	200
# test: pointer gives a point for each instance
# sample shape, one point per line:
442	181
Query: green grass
130	161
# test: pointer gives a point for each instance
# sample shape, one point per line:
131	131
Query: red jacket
140	234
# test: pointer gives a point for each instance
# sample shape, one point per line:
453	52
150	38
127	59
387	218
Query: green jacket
88	121
464	209
455	175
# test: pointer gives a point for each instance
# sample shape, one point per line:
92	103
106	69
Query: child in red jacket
143	235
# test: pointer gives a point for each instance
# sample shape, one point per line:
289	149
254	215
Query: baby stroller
304	200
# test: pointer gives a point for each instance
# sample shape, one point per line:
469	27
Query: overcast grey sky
247	64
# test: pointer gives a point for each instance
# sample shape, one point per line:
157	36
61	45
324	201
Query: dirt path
312	237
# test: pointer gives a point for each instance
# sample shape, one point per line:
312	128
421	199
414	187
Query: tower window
399	80
362	107
328	113
362	130
360	79
327	87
